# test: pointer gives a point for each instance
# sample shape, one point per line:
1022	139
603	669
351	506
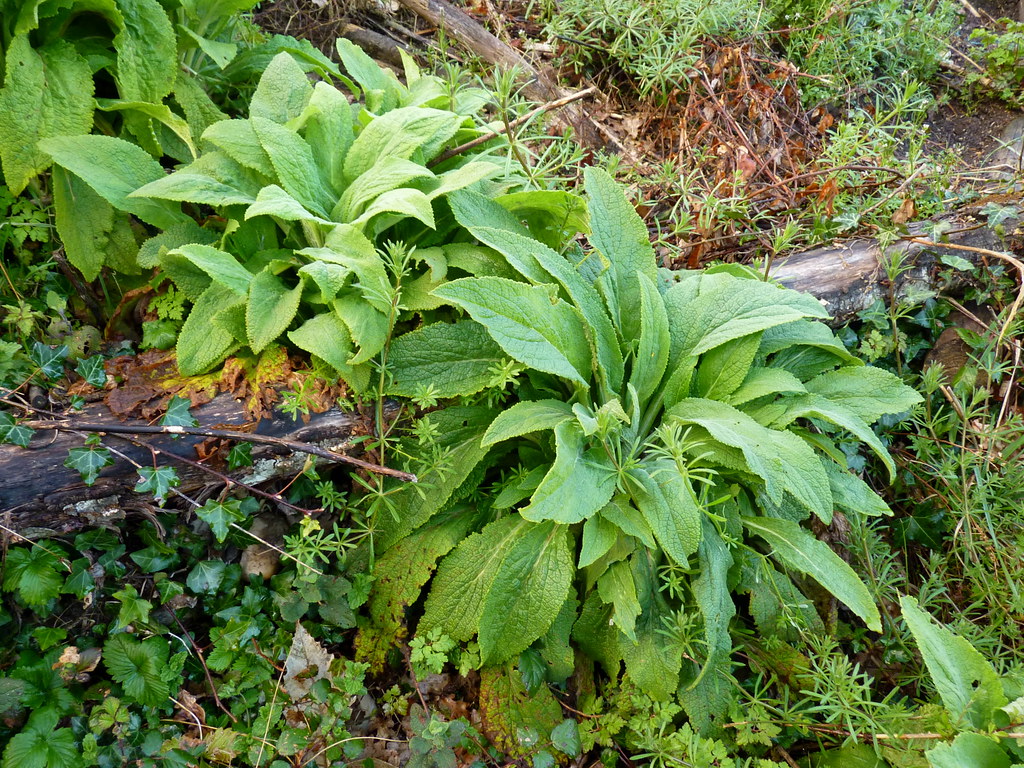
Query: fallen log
38	491
849	277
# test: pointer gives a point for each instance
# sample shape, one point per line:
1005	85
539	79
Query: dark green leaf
12	432
158	481
91	369
89	459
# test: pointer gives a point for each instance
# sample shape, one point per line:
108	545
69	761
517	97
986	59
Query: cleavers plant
673	432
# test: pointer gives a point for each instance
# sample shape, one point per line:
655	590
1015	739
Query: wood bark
539	85
850	277
38	491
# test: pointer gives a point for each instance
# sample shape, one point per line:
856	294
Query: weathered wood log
38	491
850	277
539	85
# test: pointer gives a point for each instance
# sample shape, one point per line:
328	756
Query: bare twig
448	154
67	425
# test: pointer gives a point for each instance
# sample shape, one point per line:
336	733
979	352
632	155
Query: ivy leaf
220	515
91	369
134	609
79	582
178	414
206	576
49	359
158	481
89	459
240	456
13	432
137	667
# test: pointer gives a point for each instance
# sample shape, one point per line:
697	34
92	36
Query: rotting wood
539	85
40	492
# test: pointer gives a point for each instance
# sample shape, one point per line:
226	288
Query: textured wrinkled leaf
599	534
401	203
202	343
454	358
796	548
460	429
387	174
326	336
581	480
270	310
726	308
784	461
159	112
368	327
711	590
283	91
668	505
238	140
629	520
137	666
652	351
114	168
399	134
34	573
966	682
867	391
616	587
464	579
528	255
851	493
528	322
620	235
347	246
526	417
294	165
84	221
329	132
147	51
723	369
47	748
47	92
222	268
761	382
654	661
969	749
530	587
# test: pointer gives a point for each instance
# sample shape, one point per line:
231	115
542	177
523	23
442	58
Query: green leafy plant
1001	54
667	423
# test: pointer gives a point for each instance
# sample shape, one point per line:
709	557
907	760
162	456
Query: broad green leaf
294	165
969	749
147	60
238	140
784	461
274	201
669	506
453	359
599	534
528	322
852	494
401	203
50	359
835	411
47	748
221	52
138	666
965	680
47	92
868	392
620	235
629	519
200	111
473	209
206	576
652	351
326	336
35	573
712	593
460	429
283	91
84	221
462	177
160	112
202	344
399	134
581	480
530	587
328	277
525	254
214	179
114	168
806	333
796	548
387	174
221	267
761	382
654	661
616	587
370	75
726	308
367	326
270	310
723	369
328	131
347	246
526	417
219	515
553	216
464	579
